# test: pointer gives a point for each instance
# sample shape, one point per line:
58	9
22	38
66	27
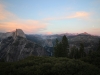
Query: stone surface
14	34
20	33
16	47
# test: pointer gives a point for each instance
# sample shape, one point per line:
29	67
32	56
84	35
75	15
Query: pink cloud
48	33
28	26
10	22
77	15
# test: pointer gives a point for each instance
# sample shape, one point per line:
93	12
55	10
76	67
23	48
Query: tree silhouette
65	46
61	49
81	50
98	46
74	53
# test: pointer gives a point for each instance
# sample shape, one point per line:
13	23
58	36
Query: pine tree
56	52
81	51
65	46
74	52
90	52
98	46
61	48
77	55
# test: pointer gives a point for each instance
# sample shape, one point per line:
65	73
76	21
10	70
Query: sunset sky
50	16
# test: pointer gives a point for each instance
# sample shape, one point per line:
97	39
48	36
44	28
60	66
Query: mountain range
17	45
48	41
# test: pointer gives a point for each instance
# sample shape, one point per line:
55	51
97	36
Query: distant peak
85	33
14	34
19	32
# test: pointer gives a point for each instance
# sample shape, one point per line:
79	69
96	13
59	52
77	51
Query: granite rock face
14	34
16	47
20	33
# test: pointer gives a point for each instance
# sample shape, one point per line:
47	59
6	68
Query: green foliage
47	66
65	46
2	60
77	53
93	58
61	48
56	50
81	51
98	46
74	53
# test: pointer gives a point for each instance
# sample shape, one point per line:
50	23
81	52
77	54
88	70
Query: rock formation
15	46
19	33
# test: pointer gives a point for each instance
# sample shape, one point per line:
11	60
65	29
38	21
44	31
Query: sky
50	16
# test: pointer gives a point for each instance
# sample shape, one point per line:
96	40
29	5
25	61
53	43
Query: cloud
28	26
48	33
10	22
77	15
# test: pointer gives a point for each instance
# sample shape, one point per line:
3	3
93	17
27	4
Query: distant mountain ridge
48	41
40	45
85	33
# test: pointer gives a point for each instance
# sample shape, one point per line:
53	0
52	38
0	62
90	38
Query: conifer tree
98	46
81	50
65	46
74	52
61	48
56	48
77	53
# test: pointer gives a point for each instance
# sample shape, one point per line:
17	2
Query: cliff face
14	34
19	33
16	47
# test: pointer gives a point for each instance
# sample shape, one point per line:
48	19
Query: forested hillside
48	66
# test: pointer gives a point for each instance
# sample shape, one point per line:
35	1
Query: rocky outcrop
14	34
19	33
16	47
